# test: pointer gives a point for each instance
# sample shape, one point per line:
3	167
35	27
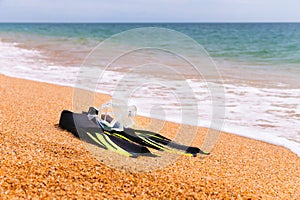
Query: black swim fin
157	141
91	132
151	139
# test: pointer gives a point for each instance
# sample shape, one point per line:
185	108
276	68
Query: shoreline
274	121
38	159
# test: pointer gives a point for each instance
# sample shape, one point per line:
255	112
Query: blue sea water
259	64
260	43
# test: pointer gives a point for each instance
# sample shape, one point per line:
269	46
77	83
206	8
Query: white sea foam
29	64
269	114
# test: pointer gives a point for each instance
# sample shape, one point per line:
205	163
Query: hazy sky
149	10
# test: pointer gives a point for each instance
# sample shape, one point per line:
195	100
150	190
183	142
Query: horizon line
149	22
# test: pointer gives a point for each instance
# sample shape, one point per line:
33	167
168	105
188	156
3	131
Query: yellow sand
38	159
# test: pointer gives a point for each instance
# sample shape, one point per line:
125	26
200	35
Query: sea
257	64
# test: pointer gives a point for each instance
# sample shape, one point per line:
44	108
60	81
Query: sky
149	10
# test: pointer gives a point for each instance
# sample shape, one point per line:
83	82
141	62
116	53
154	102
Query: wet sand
38	159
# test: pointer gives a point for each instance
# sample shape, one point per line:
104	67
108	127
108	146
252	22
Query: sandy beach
40	160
